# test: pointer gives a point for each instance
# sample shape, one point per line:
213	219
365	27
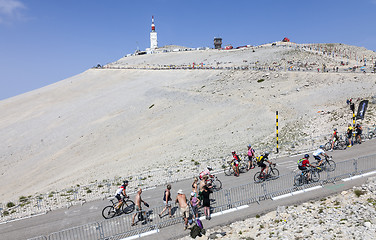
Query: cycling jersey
206	172
335	136
303	162
261	159
236	159
119	191
318	152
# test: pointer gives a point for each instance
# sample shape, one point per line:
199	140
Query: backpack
199	223
195	231
300	162
260	160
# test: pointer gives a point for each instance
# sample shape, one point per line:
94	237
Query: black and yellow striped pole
276	126
354	126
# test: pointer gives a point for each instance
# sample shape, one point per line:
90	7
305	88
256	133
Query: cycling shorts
318	158
262	165
302	168
236	163
118	197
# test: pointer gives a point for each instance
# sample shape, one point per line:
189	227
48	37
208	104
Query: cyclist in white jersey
317	153
121	191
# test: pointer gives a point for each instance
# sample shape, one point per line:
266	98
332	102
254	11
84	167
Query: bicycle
327	164
372	133
338	145
127	206
214	182
302	178
261	176
229	170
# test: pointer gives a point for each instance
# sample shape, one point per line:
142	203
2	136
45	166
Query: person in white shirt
317	153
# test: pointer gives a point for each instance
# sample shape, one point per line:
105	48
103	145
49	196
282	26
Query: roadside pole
276	126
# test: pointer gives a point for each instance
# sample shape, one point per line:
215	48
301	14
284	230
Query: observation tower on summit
153	35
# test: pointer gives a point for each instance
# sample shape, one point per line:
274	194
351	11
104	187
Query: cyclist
303	164
261	160
358	134
317	153
206	172
121	192
235	163
334	137
349	135
251	155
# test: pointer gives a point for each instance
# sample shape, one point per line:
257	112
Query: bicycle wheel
328	146
217	185
298	181
259	177
229	171
108	212
315	176
330	166
342	145
243	167
128	206
274	173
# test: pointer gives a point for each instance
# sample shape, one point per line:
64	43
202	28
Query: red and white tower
153	35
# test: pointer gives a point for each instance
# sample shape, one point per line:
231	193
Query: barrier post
354	126
276	119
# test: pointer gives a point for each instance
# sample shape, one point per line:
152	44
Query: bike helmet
306	156
266	153
322	146
209	168
335	129
233	152
249	145
125	182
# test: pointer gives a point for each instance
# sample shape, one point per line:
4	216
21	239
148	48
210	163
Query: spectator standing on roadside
167	201
349	133
251	155
194	203
358	133
184	208
195	186
201	186
206	201
138	200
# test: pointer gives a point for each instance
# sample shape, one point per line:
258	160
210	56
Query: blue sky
45	41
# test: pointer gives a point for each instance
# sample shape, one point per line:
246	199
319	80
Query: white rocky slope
348	215
105	123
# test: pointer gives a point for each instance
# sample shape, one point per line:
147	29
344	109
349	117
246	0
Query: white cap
193	193
180	191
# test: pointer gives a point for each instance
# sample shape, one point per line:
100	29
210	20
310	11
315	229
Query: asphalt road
91	212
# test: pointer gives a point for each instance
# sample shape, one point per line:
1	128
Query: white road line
227	211
14	220
286	163
141	235
359	176
296	193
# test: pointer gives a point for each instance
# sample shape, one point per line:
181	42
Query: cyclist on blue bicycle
317	153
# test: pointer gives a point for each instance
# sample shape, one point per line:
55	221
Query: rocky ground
348	215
